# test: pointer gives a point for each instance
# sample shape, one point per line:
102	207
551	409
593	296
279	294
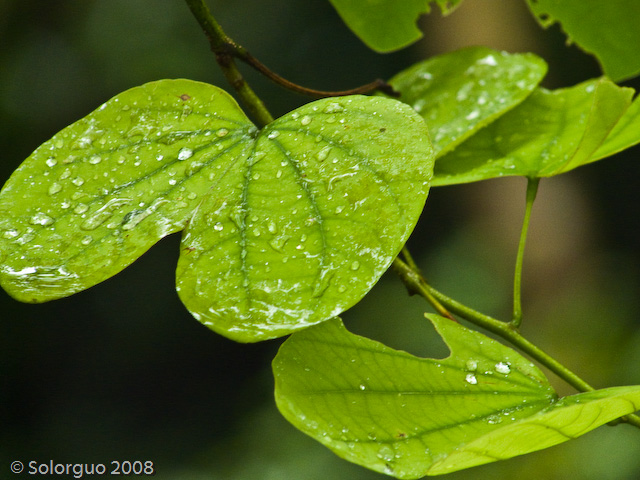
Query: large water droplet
323	153
103	213
41	218
471	379
51	162
503	368
306	120
54	188
185	153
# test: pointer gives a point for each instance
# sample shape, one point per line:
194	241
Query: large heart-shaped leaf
410	417
550	133
609	30
460	92
295	222
302	224
102	191
387	25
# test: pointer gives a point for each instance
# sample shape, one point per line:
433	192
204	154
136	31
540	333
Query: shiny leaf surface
102	191
460	92
409	417
550	133
303	221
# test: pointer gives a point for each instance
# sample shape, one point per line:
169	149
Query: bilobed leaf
286	227
102	191
387	25
409	417
460	92
301	225
550	133
608	30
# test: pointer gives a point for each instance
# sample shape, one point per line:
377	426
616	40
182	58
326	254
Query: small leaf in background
387	25
102	191
550	133
608	30
409	417
301	227
460	92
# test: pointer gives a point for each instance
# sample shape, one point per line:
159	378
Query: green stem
532	190
224	48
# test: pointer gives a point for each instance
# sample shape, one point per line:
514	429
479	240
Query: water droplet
273	134
471	365
81	208
103	213
471	379
278	173
185	153
86	240
306	120
41	218
473	115
503	368
95	159
222	132
272	227
218	227
333	107
51	162
386	453
134	217
11	233
54	188
355	265
363	387
158	157
278	242
323	153
342	289
494	419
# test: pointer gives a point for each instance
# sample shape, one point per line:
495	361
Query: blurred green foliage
122	371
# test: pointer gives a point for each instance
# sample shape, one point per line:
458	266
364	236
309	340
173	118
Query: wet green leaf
410	417
608	30
550	133
287	228
387	25
102	191
460	92
301	225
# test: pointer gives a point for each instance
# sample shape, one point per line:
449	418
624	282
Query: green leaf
550	133
608	30
301	225
410	417
624	135
460	92
102	191
387	25
286	230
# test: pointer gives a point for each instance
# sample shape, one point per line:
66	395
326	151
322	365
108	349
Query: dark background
122	371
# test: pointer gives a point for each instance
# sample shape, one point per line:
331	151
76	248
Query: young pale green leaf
608	30
387	25
550	133
624	135
460	92
409	417
301	224
102	191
